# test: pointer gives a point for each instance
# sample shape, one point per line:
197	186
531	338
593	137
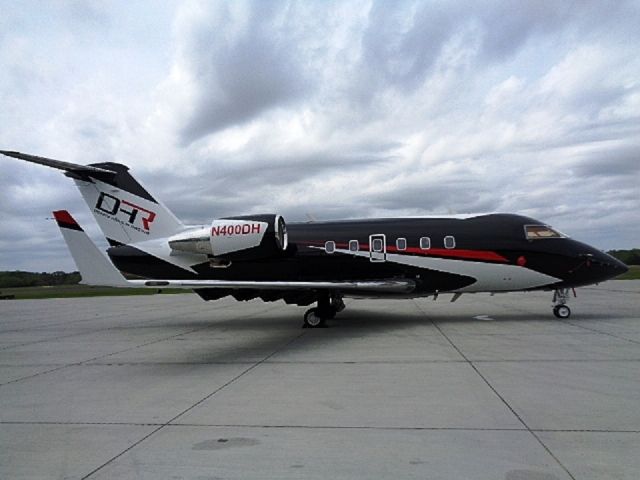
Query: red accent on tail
65	220
63	216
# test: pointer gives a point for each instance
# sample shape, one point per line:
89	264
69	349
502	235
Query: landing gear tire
562	311
313	319
560	308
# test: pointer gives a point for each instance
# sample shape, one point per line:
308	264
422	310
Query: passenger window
401	243
330	246
377	245
449	242
354	246
425	243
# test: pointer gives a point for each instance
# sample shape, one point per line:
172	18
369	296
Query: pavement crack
495	391
100	357
601	332
199	402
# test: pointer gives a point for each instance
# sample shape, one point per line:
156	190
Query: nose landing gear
562	311
560	307
328	306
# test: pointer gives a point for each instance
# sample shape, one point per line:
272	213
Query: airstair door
378	247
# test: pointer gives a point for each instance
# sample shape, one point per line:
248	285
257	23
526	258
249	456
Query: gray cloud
239	75
454	195
611	162
399	46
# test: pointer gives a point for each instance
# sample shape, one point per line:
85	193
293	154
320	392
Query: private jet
319	262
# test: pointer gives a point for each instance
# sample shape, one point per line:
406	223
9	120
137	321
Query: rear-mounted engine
250	237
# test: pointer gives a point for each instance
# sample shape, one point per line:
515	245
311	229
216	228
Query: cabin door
378	247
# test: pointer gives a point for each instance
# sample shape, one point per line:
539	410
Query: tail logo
125	212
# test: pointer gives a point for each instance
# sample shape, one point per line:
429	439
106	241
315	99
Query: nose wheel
560	308
562	311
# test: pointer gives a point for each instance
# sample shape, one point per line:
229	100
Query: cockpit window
535	232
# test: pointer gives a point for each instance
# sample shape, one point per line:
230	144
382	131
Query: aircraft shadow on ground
259	334
370	320
256	337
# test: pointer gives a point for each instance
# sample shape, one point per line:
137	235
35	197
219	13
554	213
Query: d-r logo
114	206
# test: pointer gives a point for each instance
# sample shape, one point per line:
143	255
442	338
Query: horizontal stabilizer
59	164
124	209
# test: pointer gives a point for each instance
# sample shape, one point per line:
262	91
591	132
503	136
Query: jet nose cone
611	265
620	267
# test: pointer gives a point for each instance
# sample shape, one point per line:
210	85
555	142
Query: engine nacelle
249	237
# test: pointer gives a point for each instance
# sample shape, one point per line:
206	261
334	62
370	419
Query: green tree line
34	279
630	257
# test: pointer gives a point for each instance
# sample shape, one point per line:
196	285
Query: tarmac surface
488	387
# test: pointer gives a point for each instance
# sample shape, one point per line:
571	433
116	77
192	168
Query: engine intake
249	237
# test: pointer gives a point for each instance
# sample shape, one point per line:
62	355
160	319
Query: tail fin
125	211
94	267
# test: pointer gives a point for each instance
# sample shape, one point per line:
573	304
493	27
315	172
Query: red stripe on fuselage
484	255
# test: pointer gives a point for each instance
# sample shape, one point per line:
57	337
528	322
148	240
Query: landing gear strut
328	306
560	307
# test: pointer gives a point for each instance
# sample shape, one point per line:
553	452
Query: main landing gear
560	307
328	306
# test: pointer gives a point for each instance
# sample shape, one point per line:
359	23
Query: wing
96	269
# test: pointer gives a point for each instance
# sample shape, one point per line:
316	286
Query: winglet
95	268
65	220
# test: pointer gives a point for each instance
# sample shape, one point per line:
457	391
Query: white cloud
338	109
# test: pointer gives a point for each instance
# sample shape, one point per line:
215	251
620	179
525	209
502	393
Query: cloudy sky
324	109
